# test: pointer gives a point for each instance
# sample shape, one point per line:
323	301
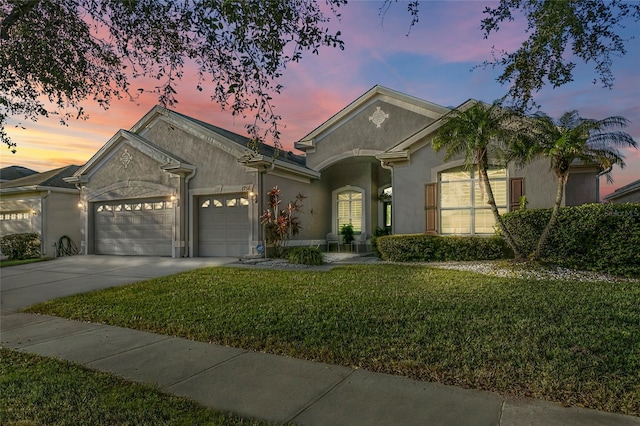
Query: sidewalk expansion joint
328	391
211	367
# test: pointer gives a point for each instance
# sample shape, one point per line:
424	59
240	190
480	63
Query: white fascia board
38	188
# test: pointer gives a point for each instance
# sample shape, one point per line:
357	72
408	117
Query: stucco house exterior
176	186
41	203
629	193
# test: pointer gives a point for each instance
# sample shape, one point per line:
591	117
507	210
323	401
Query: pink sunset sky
432	61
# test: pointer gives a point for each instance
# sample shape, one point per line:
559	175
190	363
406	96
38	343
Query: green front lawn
568	341
44	391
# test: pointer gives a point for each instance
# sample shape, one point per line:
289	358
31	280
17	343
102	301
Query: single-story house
176	186
629	193
42	203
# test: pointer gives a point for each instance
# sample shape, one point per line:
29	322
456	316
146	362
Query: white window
463	201
349	209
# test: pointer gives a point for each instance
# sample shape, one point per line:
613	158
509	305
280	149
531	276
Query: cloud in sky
431	61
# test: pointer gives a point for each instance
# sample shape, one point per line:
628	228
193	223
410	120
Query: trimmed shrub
526	226
434	248
20	246
305	256
594	237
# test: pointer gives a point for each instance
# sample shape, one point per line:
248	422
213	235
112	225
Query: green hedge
595	237
433	248
20	246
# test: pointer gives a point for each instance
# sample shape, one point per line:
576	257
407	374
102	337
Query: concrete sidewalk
256	385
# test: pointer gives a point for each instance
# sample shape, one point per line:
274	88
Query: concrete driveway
25	285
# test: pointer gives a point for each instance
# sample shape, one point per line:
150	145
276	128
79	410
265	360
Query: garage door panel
143	228
224	226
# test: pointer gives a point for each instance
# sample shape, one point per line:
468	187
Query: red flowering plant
281	224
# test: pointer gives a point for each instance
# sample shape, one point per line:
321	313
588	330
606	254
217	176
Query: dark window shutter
517	191
431	208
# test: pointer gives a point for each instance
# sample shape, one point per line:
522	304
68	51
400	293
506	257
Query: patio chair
361	240
333	239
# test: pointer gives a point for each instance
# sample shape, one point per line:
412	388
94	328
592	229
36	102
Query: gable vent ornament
378	117
126	158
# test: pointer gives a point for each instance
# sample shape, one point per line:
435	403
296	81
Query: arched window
464	207
349	209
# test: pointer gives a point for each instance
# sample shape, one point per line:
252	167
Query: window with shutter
350	209
431	208
461	202
517	191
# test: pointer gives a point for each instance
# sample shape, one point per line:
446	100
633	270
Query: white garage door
223	225
16	223
134	227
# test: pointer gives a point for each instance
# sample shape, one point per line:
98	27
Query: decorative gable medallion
126	158
378	117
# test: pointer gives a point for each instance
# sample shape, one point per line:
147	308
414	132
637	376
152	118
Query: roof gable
375	94
163	157
229	141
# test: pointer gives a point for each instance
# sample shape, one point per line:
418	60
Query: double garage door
134	227
223	225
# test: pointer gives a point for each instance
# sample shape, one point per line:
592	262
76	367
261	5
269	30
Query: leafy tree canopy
559	31
55	54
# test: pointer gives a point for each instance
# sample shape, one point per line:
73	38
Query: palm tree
480	133
574	139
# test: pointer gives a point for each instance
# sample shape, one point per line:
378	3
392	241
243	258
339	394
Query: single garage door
223	225
134	227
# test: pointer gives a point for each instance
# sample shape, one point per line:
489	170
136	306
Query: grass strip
569	341
44	391
6	263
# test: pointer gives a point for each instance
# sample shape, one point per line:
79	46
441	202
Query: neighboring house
14	172
627	194
176	186
42	203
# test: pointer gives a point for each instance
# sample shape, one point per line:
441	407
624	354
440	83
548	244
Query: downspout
385	165
188	226
83	205
261	227
43	223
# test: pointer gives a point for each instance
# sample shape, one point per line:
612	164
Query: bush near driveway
592	237
569	341
20	246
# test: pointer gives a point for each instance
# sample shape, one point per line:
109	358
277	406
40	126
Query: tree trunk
496	214
562	180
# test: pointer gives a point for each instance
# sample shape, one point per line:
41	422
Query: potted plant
346	231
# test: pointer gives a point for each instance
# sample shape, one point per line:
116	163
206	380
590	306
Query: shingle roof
52	178
15	172
263	148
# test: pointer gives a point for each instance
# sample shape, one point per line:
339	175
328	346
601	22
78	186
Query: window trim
475	178
334	207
